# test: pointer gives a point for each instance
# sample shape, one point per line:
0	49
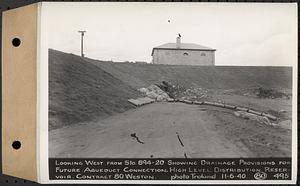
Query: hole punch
16	145
16	42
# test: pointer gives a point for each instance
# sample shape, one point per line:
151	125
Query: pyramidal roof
183	46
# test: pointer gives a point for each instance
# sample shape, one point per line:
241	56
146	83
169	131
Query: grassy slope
80	91
211	77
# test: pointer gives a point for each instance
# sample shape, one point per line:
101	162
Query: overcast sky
242	33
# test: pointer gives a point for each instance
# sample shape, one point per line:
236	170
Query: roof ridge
184	46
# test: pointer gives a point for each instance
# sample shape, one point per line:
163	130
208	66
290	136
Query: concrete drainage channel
144	101
232	107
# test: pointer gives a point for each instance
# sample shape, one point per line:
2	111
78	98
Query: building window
185	54
203	54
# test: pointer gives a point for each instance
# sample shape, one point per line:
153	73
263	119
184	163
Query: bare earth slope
80	91
210	77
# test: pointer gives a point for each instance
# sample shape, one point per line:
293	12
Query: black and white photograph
171	80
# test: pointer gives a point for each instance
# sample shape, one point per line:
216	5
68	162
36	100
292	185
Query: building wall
183	57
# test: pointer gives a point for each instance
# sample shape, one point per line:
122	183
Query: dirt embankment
208	77
80	91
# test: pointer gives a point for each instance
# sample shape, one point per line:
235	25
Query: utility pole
82	34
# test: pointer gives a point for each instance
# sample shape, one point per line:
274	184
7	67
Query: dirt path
160	130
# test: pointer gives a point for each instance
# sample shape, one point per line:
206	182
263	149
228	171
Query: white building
183	54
